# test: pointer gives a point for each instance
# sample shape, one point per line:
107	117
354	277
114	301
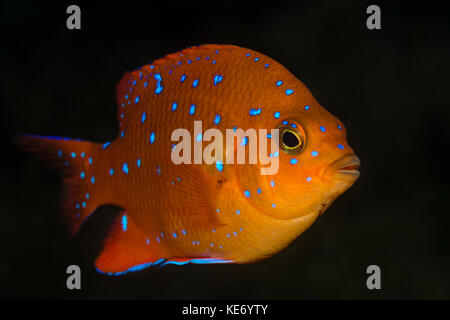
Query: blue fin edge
163	262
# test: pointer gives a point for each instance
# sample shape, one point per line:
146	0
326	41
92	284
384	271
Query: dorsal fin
124	89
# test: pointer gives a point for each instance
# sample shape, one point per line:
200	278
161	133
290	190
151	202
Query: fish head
316	163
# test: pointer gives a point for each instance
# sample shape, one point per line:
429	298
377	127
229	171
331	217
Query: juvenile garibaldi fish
203	213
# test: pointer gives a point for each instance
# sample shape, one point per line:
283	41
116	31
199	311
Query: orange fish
203	213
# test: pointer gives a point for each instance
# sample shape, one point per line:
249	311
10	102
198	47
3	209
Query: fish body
203	213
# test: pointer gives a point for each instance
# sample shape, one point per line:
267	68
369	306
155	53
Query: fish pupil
290	140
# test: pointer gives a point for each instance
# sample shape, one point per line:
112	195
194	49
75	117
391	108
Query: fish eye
292	139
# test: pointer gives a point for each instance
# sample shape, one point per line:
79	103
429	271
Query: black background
388	86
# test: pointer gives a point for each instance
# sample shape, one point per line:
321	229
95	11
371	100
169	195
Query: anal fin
127	248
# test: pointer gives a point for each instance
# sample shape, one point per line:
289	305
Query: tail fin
73	159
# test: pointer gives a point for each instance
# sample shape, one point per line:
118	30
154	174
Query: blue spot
145	84
219	166
83	204
247	55
247	193
122	134
157	239
199	137
289	92
307	107
339	127
256	59
273	205
73	154
228	235
266	65
269	136
152	137
285	122
192	109
148	241
272	183
158	170
82	154
136	100
238	212
308	179
162	234
254	112
322	128
152	66
235	233
218	210
125	168
138	163
60	153
217	79
212	244
294	161
314	153
183	77
82	175
111	171
143	117
77	206
258	190
134	82
104	146
195	83
159	87
276	115
340	146
126	97
244	141
87	195
92	179
217	119
279	83
174	235
293	125
124	222
174	106
183	231
90	160
189	61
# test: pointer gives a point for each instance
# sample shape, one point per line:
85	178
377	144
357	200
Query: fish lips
345	168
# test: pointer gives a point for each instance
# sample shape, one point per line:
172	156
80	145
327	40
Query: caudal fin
73	160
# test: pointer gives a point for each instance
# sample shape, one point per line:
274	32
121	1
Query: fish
207	213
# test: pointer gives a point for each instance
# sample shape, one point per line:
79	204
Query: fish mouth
345	167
